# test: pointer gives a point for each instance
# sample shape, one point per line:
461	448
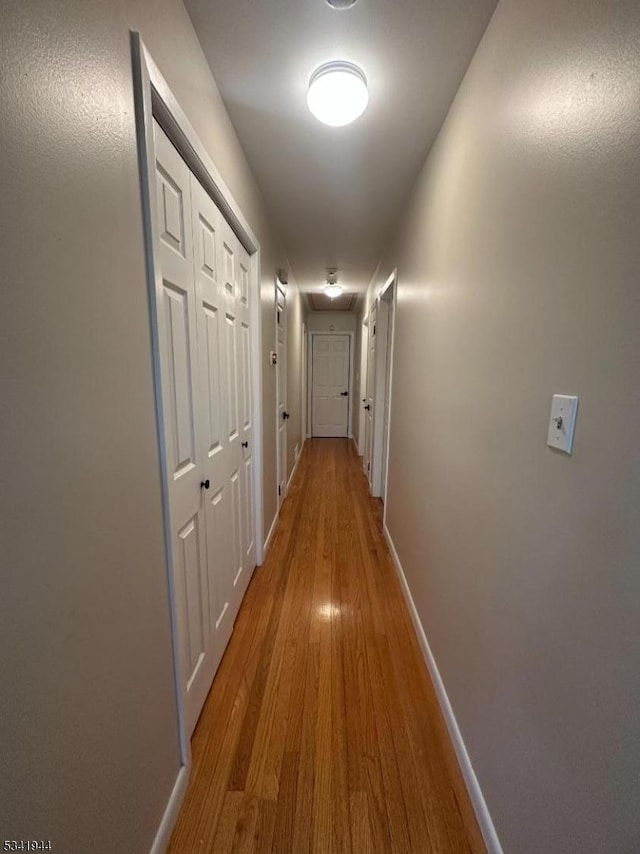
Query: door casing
281	382
154	99
383	385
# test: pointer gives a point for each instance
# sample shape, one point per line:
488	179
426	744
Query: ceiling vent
341	4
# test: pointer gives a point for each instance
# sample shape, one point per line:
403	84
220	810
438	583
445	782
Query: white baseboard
475	793
161	842
267	542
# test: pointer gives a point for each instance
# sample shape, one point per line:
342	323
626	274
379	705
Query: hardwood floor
322	732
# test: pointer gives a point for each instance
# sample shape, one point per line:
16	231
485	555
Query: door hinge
279	490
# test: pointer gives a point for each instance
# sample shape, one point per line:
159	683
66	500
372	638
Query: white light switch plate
562	422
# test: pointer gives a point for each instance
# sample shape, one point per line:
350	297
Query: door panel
236	515
232	377
371	385
221	563
240	349
203	307
364	354
177	322
212	378
246	376
192	577
281	385
249	523
216	414
387	397
180	380
330	385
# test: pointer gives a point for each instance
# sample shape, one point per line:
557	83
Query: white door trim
311	336
303	389
154	99
383	387
281	463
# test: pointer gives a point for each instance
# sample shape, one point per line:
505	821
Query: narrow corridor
322	731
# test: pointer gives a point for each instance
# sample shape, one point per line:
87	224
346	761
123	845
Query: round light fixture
338	93
333	291
341	4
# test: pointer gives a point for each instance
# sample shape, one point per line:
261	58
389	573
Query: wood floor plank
322	731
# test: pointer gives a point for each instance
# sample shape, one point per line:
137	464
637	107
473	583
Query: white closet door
177	313
217	454
235	268
203	311
245	401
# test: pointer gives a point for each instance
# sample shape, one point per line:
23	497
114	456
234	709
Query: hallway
322	731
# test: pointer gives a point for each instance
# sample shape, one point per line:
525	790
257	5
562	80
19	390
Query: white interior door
215	413
281	390
177	321
247	427
203	317
370	395
387	394
236	276
330	385
362	412
303	390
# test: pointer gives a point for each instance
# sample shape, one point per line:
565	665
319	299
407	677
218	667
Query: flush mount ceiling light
341	4
338	93
333	290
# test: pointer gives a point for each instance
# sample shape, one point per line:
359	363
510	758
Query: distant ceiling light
338	93
333	291
341	4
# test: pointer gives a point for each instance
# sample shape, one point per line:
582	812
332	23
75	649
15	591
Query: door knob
205	484
344	393
245	444
367	406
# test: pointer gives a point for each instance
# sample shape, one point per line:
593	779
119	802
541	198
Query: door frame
154	99
383	386
280	286
303	389
311	335
362	389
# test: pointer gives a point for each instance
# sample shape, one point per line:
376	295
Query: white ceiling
335	193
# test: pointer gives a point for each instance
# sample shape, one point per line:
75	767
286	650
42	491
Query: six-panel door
203	317
330	385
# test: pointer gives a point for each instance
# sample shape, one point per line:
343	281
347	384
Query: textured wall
518	264
89	735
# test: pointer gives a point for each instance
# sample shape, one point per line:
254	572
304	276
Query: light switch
562	422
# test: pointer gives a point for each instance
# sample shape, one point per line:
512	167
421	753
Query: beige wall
518	264
322	321
89	737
